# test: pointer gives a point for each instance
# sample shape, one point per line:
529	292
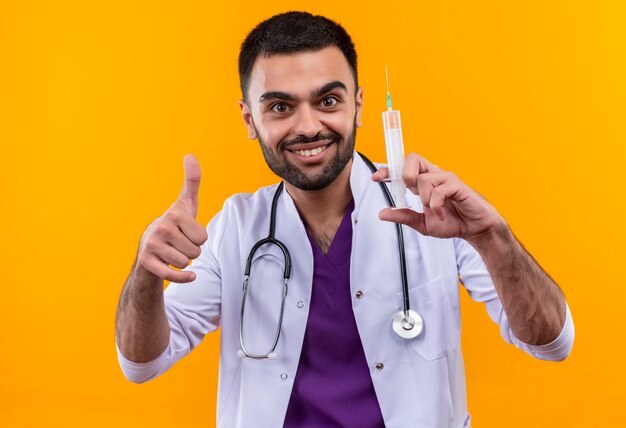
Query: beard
297	178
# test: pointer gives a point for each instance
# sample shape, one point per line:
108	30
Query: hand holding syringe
395	151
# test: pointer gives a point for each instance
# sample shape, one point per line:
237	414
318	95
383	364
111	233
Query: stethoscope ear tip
272	355
241	354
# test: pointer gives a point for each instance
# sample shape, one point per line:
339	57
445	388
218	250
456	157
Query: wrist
499	236
144	278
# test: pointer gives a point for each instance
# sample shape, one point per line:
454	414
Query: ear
246	115
359	106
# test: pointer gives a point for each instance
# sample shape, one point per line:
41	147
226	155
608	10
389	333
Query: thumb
191	187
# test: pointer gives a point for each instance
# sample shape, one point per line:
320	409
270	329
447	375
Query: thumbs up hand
174	238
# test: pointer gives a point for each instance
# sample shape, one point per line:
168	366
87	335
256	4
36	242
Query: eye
279	107
330	101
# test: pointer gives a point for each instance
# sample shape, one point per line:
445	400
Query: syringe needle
388	93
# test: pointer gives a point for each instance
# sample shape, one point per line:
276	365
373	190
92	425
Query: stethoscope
407	323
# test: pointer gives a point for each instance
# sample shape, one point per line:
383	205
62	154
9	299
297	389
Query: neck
327	205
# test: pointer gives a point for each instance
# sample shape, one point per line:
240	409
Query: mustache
303	139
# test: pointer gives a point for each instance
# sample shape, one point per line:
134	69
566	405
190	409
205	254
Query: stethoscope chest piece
407	325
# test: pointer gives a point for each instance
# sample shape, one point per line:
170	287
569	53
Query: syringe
395	150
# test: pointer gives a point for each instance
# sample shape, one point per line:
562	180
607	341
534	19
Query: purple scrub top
333	386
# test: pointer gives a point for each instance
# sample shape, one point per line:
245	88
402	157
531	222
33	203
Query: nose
307	122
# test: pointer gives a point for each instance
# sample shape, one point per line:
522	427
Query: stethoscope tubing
407	324
271	239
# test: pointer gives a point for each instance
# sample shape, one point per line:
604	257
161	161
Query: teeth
313	152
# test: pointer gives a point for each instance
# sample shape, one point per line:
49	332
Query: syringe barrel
395	155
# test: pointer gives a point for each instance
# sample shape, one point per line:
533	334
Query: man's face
303	109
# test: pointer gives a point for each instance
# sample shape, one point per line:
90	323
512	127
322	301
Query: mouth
310	152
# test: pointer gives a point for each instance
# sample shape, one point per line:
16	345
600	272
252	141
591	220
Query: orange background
99	102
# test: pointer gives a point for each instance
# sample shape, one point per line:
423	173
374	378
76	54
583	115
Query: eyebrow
329	87
280	95
276	95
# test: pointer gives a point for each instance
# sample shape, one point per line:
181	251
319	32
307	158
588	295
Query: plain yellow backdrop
99	102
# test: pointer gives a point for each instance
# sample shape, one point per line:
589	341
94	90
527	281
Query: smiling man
308	341
307	108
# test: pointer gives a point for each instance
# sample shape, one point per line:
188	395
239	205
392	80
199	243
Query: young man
325	354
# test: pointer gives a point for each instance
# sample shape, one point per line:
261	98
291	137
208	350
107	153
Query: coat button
359	294
300	304
284	376
379	366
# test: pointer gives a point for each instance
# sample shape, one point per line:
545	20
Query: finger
167	252
172	256
381	174
185	246
405	216
194	231
438	197
170	233
163	271
427	182
180	229
191	186
414	165
421	163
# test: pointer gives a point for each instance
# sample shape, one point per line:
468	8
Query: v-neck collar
338	239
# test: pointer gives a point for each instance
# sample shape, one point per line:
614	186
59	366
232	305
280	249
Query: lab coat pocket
441	322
